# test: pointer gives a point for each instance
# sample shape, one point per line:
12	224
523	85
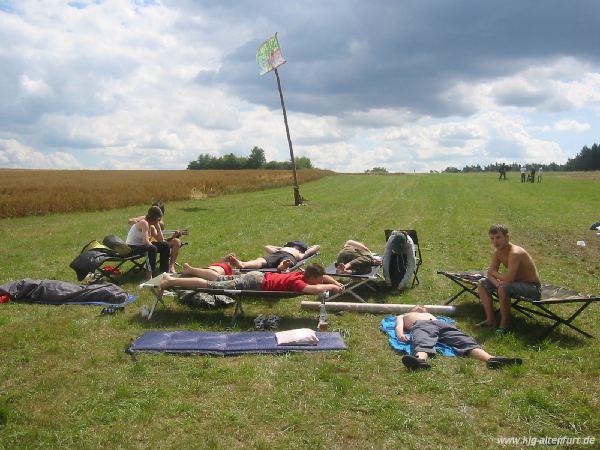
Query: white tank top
135	236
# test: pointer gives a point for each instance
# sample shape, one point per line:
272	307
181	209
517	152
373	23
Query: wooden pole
385	308
297	196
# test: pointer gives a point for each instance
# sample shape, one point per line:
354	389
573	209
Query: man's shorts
274	259
516	288
360	260
251	281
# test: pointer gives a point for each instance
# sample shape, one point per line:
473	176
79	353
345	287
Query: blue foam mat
224	343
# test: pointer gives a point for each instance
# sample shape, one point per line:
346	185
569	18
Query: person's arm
493	270
514	261
330	280
146	232
315	289
157	233
272	248
135	220
310	251
400	329
358	245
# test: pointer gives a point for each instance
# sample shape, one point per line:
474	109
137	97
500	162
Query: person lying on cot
222	267
173	242
312	281
355	258
426	331
280	258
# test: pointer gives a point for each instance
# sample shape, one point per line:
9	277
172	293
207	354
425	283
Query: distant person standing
523	173
540	173
533	174
502	171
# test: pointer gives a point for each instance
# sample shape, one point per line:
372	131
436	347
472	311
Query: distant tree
587	159
377	170
257	159
451	170
302	162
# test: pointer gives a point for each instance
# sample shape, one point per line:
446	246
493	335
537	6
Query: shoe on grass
414	363
496	362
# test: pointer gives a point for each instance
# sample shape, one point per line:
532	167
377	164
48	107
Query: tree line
587	159
256	160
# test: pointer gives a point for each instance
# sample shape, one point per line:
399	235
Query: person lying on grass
312	281
426	331
280	258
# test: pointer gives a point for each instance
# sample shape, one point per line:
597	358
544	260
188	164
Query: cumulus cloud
15	155
406	85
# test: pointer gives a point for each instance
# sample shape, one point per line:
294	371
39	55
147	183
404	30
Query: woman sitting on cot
139	239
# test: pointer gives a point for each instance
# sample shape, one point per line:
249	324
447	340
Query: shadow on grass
373	293
193	209
528	331
214	319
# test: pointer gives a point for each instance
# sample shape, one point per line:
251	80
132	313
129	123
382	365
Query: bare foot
166	281
225	258
186	269
234	262
148	275
341	269
284	265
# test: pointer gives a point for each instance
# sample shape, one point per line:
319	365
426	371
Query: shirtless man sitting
521	278
280	258
426	331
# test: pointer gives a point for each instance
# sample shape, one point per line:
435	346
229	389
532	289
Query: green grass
65	380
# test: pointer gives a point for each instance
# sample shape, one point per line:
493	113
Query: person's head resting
418	309
298	245
313	274
154	214
161	205
398	242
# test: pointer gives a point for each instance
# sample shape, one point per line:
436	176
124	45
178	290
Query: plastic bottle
323	325
144	312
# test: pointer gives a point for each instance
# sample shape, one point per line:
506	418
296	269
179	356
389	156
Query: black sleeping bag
57	292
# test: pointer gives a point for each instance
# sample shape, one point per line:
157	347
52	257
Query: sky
412	86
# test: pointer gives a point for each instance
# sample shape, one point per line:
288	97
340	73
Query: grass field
65	380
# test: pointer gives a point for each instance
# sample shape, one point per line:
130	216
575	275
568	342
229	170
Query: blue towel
388	326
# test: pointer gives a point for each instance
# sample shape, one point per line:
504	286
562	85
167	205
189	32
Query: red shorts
226	267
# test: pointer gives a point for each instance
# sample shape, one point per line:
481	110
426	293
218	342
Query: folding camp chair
355	281
95	257
236	294
417	251
551	295
296	266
